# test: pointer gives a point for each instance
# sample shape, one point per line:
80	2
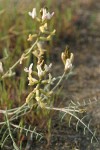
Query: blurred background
77	25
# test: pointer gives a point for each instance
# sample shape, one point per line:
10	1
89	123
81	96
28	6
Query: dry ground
84	85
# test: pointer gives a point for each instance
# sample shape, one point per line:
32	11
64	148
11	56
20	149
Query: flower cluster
44	34
39	93
41	78
40	73
45	14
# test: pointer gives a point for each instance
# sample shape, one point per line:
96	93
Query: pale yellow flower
43	28
30	37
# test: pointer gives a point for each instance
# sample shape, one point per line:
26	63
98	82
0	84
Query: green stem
59	81
18	61
8	125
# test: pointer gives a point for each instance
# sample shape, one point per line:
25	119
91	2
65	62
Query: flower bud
68	64
32	81
43	28
1	67
30	38
72	57
63	57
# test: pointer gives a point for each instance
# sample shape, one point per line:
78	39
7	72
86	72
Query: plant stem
18	61
59	81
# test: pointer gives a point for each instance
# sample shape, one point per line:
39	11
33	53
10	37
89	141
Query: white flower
46	15
40	71
32	81
47	68
33	13
51	80
29	70
68	64
1	67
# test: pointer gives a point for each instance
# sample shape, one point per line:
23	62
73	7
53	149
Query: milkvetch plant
42	75
40	79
